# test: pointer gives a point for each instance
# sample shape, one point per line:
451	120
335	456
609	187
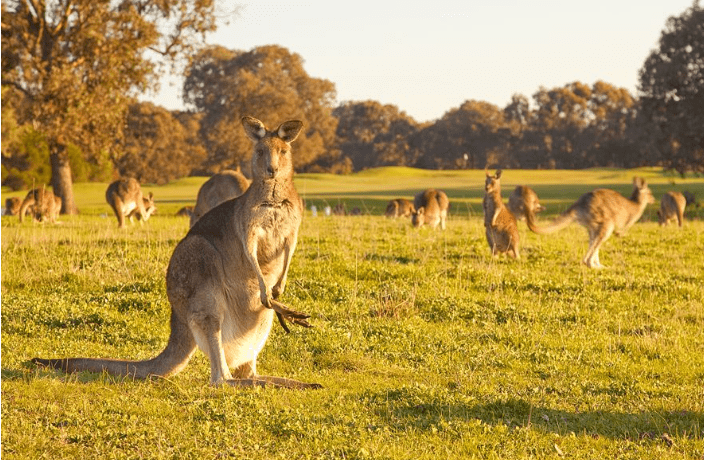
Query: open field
425	345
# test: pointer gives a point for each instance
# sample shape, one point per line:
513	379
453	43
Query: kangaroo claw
292	316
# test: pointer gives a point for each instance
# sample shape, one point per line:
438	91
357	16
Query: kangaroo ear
639	182
421	211
486	171
498	174
289	130
254	128
151	196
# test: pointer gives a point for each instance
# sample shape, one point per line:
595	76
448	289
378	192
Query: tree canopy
159	147
268	82
78	63
672	87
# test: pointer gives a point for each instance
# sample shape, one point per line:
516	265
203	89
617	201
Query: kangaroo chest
274	228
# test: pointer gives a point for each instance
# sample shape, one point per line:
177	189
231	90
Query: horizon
428	59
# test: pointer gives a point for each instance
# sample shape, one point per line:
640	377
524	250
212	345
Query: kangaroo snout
271	171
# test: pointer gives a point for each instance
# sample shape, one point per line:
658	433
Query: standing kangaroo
41	204
602	212
126	200
524	200
221	187
430	208
224	277
672	206
500	224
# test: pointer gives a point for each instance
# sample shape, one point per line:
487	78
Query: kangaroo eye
260	152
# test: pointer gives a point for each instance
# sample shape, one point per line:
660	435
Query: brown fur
602	212
500	224
524	200
339	210
12	206
430	208
672	207
223	186
126	200
224	277
186	211
400	207
41	204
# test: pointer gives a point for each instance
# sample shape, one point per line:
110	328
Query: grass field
426	346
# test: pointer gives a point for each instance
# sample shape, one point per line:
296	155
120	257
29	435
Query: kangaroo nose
271	171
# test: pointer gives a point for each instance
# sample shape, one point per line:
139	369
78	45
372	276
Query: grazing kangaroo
126	200
224	277
602	212
41	204
400	207
12	206
430	208
500	224
523	200
672	206
221	187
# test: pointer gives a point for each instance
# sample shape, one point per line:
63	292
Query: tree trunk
61	179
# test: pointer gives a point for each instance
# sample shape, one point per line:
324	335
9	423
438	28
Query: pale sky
429	57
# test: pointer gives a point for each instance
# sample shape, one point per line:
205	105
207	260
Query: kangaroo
12	206
523	200
430	208
221	187
602	212
400	207
672	206
225	275
500	224
41	204
149	207
339	210
126	200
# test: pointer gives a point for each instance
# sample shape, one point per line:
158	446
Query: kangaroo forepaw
292	316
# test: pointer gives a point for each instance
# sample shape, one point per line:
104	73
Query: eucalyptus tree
268	82
79	64
672	91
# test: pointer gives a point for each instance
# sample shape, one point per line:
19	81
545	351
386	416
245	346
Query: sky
429	57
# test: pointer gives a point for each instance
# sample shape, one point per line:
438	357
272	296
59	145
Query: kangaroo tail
174	358
559	223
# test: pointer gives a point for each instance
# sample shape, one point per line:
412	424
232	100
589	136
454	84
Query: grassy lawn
426	346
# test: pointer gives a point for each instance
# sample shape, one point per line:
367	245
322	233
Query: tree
78	62
372	134
157	147
269	83
672	91
467	137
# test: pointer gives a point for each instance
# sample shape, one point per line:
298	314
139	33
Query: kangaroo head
272	149
641	192
149	205
533	201
492	182
417	218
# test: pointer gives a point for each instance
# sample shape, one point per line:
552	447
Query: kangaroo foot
283	313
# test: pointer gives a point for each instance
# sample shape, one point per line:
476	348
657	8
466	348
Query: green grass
426	346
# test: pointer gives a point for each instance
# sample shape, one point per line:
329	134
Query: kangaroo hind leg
205	320
597	238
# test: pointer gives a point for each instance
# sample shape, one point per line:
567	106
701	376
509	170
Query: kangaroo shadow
402	412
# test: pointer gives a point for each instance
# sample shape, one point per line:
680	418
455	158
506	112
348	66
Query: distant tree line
89	120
